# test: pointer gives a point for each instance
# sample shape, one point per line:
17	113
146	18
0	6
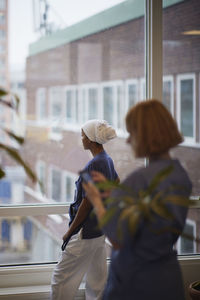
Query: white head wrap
99	131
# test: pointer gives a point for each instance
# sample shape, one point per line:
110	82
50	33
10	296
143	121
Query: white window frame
142	95
113	85
41	92
40	163
55	122
127	84
72	124
193	224
169	78
73	177
180	77
50	187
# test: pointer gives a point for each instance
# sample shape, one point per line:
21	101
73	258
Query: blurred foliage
148	203
12	102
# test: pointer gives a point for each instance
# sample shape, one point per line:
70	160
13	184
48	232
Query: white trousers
80	257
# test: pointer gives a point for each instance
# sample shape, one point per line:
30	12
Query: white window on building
72	111
41	174
2	4
89	104
2	19
168	93
2	34
186	105
55	184
142	89
108	104
186	245
68	186
132	96
2	49
56	108
41	104
112	109
93	103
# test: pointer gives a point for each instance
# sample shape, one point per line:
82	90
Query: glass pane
108	105
186	244
92	103
187	121
132	94
31	239
167	94
85	73
69	105
181	63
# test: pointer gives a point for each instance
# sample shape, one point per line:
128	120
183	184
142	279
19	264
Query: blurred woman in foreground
144	265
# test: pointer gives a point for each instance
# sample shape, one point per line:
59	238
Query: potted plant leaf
13	104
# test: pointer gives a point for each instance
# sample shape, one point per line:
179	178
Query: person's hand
65	236
98	177
94	196
92	193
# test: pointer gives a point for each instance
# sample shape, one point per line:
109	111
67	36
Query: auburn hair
153	127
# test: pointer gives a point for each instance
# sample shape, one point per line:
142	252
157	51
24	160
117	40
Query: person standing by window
144	265
84	250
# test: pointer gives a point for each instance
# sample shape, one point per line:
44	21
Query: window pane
187	244
69	105
167	94
181	63
84	73
108	106
132	94
186	90
92	103
56	185
31	239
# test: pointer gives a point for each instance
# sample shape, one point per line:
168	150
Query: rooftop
116	15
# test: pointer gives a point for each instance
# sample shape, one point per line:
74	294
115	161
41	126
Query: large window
181	67
99	71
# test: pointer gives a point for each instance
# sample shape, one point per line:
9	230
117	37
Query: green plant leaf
179	200
162	211
19	139
3	92
6	103
16	156
17	101
2	173
106	185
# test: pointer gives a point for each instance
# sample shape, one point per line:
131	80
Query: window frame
75	120
128	82
50	186
192	223
170	78
41	91
179	78
73	177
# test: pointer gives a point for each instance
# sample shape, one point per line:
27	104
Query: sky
63	13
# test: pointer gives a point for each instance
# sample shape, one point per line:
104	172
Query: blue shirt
146	267
103	163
